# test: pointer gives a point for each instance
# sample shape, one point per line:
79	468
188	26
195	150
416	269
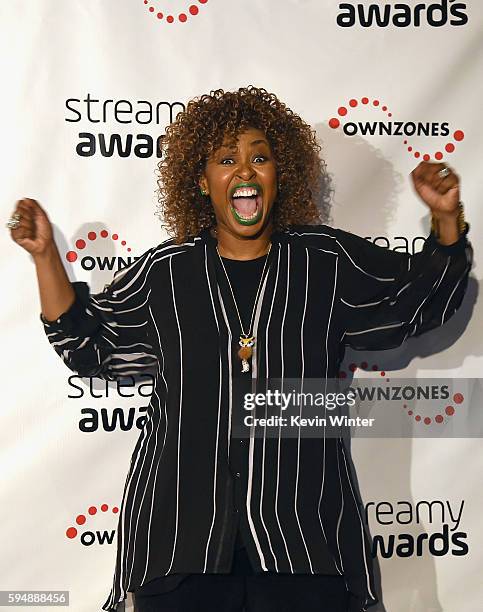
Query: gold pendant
245	352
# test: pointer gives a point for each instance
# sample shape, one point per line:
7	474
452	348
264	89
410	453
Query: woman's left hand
442	195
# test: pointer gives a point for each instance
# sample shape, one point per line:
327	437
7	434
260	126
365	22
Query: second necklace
247	339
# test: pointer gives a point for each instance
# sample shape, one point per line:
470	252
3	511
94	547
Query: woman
250	285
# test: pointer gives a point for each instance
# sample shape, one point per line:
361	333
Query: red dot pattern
191	10
439	418
363	366
80	244
71	532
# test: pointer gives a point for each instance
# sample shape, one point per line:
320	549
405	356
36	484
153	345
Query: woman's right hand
34	232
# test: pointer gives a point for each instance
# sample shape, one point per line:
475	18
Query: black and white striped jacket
325	289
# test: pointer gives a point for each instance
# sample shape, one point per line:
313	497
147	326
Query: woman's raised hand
34	232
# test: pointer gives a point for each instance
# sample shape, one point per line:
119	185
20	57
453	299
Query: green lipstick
256	218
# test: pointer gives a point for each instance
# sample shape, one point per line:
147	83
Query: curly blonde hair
200	130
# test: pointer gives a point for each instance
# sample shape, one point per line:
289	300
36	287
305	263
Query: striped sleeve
105	334
388	296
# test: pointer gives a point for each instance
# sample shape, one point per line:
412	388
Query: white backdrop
65	446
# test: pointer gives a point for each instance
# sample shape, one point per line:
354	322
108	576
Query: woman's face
241	182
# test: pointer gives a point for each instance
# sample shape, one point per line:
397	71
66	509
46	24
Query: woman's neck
238	247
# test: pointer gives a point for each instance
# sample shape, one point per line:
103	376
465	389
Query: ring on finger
14	221
444	172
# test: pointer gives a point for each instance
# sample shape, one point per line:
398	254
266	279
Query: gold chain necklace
247	341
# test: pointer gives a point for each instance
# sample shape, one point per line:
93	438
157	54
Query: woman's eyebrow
234	148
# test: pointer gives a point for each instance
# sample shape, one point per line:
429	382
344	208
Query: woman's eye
262	157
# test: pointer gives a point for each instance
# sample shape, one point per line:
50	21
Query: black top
170	314
244	278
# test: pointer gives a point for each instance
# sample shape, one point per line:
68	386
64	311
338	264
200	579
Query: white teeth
245	193
248	218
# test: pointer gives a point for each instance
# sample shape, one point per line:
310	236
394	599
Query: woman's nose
246	170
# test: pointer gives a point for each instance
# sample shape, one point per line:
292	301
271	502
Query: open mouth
246	204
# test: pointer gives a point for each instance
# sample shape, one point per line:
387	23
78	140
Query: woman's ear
203	183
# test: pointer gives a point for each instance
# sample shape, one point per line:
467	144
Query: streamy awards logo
396	525
402	14
134	119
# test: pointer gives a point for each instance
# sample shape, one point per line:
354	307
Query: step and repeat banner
88	90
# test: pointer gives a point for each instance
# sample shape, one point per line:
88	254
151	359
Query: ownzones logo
98	140
410	132
443	534
89	534
89	248
402	15
427	404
